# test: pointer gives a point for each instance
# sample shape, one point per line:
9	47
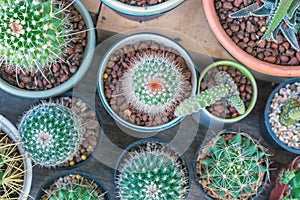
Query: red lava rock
227	5
293	61
270	59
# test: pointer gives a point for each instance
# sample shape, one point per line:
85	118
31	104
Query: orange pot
242	56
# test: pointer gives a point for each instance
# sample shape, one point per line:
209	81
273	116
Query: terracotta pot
279	189
242	56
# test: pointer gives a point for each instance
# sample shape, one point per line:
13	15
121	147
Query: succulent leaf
244	12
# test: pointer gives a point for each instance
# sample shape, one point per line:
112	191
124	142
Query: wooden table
187	135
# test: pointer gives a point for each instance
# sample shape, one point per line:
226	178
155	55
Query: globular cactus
225	88
232	167
71	192
153	84
290	112
50	133
292	178
151	175
32	33
12	171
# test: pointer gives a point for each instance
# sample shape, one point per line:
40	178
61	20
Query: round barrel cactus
50	133
32	33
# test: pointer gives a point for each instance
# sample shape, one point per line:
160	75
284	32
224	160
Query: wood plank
188	19
92	5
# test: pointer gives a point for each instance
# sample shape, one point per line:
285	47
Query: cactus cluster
153	84
32	33
283	15
11	169
50	133
232	166
225	88
292	178
71	192
151	175
290	112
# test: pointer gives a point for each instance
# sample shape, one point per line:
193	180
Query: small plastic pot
50	181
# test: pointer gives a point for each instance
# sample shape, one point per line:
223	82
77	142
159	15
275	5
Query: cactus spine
50	133
153	84
32	33
290	112
151	175
232	166
225	88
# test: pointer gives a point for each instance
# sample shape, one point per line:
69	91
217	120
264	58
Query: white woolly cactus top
153	84
32	33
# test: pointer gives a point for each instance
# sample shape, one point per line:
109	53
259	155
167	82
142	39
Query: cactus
32	33
151	175
153	84
11	169
292	178
225	88
74	192
290	112
50	133
284	16
232	166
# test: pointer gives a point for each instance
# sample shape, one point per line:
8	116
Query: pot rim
266	116
82	70
238	53
120	43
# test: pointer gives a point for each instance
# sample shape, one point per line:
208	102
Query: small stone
92	141
92	124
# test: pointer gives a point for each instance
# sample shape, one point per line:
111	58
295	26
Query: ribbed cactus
50	133
72	192
153	84
225	88
11	169
283	15
290	112
32	33
151	175
232	167
292	178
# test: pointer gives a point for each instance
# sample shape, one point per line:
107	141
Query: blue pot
267	131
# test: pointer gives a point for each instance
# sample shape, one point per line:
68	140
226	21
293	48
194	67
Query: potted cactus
60	132
288	182
281	116
227	93
261	34
73	185
151	169
231	165
141	81
44	50
15	167
142	10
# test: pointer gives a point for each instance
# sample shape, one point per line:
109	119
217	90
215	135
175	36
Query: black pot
156	140
196	178
84	174
266	128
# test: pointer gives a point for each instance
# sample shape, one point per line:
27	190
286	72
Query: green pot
87	60
208	119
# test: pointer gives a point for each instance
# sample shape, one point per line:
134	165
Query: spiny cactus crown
153	84
11	169
225	88
291	177
290	112
151	175
234	167
32	33
50	133
283	15
71	192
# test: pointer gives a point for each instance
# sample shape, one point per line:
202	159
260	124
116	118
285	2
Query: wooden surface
187	135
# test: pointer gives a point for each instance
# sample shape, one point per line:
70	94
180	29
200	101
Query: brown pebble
92	141
219	108
92	124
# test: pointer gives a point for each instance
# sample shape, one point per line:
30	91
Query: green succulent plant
283	15
232	166
11	169
290	112
292	178
153	84
151	175
32	33
71	192
225	88
50	133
